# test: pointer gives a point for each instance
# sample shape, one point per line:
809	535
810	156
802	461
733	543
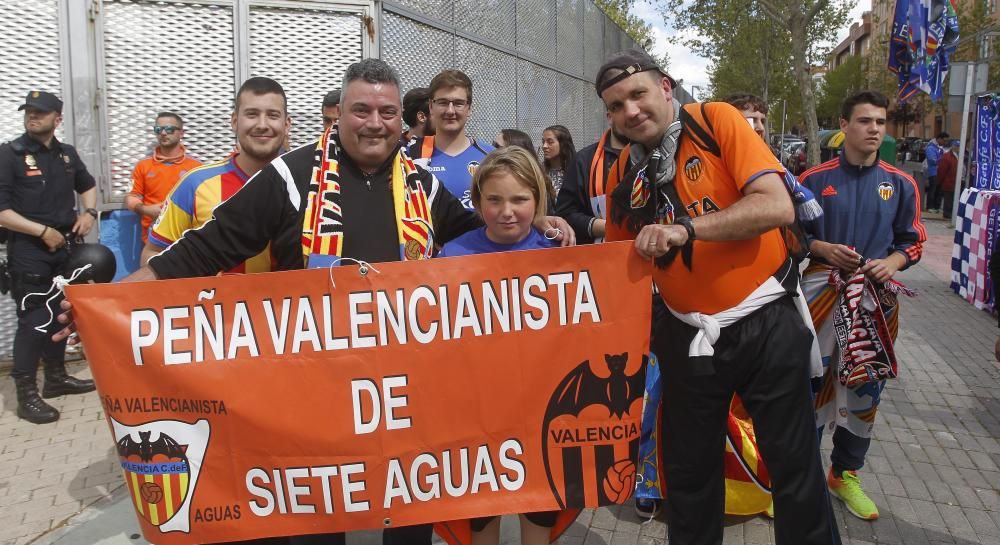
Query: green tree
620	11
974	21
742	32
838	84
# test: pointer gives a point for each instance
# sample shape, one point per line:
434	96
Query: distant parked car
911	149
795	157
776	139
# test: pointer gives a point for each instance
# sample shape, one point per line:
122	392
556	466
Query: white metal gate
191	56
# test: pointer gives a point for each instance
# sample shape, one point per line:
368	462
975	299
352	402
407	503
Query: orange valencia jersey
722	273
154	177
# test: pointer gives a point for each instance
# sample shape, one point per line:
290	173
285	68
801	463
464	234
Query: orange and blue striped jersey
191	202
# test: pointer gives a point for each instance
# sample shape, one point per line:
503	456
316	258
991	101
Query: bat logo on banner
161	461
591	433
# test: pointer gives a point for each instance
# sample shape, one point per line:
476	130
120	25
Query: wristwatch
91	211
688	225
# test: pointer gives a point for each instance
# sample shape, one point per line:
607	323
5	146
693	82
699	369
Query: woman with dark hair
559	152
514	137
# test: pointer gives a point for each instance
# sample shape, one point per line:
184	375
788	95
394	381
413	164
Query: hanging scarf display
987	142
859	324
924	37
322	225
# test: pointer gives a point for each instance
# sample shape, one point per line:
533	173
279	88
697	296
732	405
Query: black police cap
47	102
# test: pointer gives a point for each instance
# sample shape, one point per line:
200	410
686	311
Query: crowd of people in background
696	188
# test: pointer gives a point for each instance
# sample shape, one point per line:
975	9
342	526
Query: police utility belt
8	277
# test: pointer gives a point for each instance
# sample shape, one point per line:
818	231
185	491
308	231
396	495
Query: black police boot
58	383
31	407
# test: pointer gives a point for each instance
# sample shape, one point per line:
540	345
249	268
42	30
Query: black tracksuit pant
763	358
32	268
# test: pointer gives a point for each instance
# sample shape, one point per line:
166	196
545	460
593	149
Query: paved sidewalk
932	470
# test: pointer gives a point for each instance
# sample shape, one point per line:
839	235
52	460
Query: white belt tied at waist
710	325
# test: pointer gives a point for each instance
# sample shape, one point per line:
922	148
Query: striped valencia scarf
323	223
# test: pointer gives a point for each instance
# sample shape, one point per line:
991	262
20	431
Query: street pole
781	139
969	79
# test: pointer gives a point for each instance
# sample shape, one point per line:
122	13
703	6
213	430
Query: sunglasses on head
169	129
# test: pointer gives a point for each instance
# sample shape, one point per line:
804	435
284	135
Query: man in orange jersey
871	224
261	123
703	198
154	176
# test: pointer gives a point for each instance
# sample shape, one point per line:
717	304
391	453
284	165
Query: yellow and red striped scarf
323	227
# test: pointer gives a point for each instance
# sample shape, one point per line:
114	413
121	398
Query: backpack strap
699	128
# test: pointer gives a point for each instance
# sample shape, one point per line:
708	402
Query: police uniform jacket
39	182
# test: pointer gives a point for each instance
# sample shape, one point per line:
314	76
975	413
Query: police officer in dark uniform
38	178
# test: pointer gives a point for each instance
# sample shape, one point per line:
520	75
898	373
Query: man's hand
144	274
550	224
656	240
84	223
53	239
66	317
838	255
881	270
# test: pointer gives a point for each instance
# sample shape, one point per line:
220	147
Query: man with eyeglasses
154	176
450	154
40	178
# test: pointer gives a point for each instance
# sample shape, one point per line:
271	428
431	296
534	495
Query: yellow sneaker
847	487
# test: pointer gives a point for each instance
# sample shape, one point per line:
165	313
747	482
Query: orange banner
316	401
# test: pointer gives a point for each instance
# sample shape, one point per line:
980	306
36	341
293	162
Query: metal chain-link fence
532	62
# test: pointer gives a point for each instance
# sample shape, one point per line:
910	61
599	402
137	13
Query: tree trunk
798	25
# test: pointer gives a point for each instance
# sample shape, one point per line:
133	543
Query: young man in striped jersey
261	123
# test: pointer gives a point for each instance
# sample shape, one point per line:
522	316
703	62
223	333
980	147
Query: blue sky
691	68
